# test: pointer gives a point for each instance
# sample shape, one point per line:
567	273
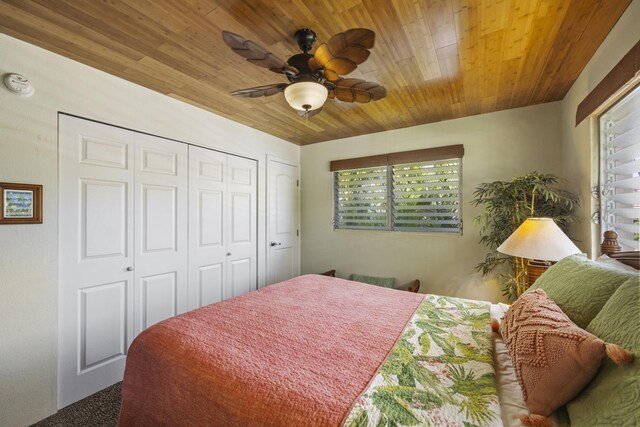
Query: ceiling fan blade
256	54
356	90
309	113
255	92
344	52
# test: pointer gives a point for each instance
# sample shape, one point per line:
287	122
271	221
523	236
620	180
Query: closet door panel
207	222
161	207
103	319
210	283
242	233
103	215
95	317
240	276
159	298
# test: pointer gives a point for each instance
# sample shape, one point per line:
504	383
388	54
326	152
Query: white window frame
616	207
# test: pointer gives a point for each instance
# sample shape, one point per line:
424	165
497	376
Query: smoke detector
18	84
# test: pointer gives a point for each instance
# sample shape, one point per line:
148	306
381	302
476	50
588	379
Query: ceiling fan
313	77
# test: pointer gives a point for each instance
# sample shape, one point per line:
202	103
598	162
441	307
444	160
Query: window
361	199
620	170
400	194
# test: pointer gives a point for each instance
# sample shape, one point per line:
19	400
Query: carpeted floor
98	410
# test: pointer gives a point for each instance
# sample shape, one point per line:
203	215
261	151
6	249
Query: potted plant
507	204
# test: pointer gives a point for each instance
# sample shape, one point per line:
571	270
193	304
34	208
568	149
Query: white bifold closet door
222	226
123	247
138	245
160	211
96	287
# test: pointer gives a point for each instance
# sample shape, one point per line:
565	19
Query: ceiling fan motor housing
301	63
305	38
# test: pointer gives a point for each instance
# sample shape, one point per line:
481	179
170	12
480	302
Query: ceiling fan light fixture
313	77
306	96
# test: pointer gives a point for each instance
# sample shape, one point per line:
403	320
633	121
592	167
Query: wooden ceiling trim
439	59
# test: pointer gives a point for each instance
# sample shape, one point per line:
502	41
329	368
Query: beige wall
28	153
497	146
579	148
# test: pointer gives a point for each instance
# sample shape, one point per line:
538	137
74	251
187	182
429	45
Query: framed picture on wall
20	203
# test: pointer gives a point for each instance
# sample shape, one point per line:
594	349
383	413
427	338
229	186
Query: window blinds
620	170
421	196
361	200
426	196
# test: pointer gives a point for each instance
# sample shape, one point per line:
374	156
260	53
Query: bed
323	351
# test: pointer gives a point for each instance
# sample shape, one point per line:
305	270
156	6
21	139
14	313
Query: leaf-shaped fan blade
256	54
344	52
255	92
356	90
309	113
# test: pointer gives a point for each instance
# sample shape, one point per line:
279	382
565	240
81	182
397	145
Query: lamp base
535	268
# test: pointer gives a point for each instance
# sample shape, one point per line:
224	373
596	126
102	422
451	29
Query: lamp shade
306	96
539	238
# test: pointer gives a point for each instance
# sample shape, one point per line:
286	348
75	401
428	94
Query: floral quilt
439	373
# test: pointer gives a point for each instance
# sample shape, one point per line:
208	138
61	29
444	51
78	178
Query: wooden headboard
611	248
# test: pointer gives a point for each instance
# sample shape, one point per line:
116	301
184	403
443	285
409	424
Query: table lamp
541	241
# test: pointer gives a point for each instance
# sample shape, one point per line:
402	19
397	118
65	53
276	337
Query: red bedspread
297	353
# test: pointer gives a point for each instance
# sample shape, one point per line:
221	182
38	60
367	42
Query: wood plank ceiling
438	59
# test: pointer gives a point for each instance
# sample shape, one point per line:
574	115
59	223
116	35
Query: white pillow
614	263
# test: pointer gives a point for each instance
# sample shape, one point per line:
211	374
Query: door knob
129	268
228	253
275	244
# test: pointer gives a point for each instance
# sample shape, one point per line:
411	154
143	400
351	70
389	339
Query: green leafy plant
507	204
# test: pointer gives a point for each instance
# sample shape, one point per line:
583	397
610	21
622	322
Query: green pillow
386	282
580	287
613	396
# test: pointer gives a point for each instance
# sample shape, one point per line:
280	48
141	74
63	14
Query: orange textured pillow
554	359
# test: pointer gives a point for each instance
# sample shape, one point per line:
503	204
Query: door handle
129	268
275	244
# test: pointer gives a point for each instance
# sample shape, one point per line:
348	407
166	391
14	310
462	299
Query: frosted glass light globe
306	96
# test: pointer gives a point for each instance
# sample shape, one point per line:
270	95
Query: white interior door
283	260
241	228
95	250
161	263
207	237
